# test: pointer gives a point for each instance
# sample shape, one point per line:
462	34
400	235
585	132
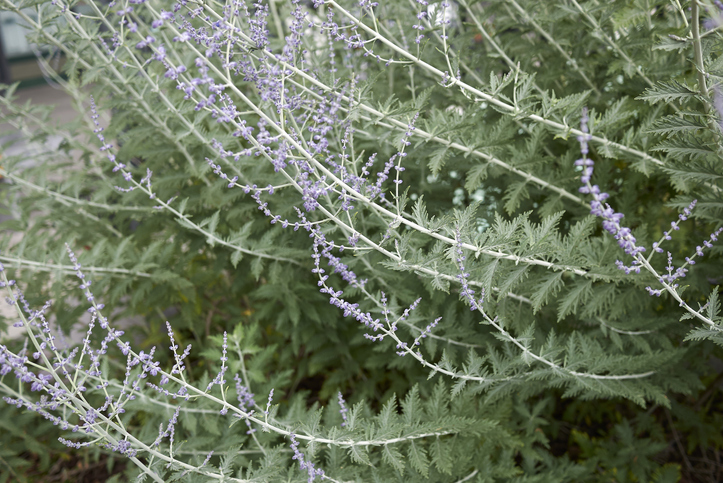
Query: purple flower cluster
123	447
611	223
256	62
65	387
611	219
246	402
343	409
427	330
303	464
63	368
178	367
675	273
421	15
322	248
221	45
170	430
674	226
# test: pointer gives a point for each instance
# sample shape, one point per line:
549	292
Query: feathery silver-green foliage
568	371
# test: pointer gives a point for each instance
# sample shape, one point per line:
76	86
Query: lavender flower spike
611	219
343	410
304	465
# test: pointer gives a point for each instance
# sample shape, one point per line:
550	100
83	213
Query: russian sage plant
368	241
